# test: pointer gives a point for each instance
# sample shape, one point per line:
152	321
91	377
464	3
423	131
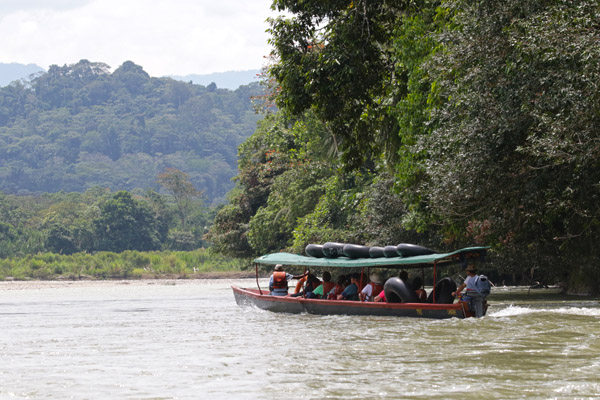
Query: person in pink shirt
380	297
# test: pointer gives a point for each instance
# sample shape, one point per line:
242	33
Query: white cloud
175	37
7	6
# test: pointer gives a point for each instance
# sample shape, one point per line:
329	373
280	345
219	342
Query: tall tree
336	57
514	159
178	184
125	224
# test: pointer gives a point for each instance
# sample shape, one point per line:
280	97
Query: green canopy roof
383	262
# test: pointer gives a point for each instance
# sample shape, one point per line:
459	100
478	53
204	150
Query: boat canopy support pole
362	274
257	285
304	284
434	279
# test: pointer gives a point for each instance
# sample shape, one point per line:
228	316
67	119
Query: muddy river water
187	339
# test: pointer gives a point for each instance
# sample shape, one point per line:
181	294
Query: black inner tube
443	292
398	291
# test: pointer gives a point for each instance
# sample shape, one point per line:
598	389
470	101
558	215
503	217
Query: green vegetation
98	220
440	123
80	126
96	162
124	265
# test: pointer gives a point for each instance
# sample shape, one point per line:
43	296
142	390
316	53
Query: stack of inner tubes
335	249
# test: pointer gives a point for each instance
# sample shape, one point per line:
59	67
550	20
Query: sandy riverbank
11	284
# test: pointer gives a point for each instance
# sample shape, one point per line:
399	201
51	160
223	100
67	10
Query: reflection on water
189	340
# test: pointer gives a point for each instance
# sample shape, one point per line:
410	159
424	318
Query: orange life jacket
300	284
280	280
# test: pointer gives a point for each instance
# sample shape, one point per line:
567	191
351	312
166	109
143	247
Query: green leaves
125	224
178	184
334	58
486	112
514	149
281	169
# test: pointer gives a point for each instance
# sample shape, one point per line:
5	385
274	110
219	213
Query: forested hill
80	126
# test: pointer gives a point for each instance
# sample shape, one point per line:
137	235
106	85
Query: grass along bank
199	263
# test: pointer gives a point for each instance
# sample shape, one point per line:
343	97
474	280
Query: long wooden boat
262	299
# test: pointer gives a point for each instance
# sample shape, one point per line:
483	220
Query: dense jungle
439	123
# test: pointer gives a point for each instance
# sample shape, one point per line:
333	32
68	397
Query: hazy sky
165	37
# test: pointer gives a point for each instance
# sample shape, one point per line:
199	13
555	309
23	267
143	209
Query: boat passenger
300	284
404	276
380	297
278	285
476	299
312	282
372	289
362	281
417	285
338	288
351	291
348	280
325	287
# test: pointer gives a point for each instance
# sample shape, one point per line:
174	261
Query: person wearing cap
278	285
473	294
372	289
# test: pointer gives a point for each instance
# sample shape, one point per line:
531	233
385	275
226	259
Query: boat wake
512	311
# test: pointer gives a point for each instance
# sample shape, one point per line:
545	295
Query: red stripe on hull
344	307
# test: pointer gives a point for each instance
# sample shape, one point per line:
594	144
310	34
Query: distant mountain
224	80
13	71
80	126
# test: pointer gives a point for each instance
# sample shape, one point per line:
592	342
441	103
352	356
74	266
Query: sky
165	37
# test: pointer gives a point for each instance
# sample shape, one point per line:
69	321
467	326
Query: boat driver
476	299
278	285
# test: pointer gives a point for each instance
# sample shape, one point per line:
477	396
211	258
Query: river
187	339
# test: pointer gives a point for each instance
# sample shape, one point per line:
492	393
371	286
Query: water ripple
189	340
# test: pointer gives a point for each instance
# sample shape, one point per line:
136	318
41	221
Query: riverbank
148	277
197	264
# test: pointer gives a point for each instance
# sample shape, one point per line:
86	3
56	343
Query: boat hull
296	305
